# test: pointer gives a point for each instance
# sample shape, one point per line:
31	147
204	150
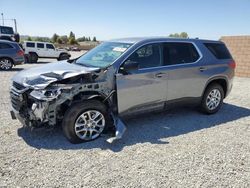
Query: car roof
37	42
157	39
7	41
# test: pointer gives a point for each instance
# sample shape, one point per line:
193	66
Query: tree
72	35
29	38
59	40
94	39
72	41
64	39
183	35
42	39
177	35
54	38
81	39
72	38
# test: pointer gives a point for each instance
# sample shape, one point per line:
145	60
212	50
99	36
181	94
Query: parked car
11	54
75	48
7	33
121	78
37	50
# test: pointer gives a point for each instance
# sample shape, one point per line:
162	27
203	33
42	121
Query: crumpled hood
41	76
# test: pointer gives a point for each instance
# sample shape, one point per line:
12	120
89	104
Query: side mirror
130	66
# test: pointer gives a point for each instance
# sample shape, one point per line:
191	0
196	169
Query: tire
33	58
63	57
6	63
27	58
77	118
212	99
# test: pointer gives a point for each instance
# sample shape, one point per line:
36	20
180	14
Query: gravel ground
179	148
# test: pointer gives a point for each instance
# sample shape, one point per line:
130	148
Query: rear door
41	50
184	70
6	50
144	89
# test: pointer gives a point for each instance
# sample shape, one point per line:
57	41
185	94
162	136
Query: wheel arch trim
210	80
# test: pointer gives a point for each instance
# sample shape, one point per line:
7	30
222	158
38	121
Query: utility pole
15	25
2	18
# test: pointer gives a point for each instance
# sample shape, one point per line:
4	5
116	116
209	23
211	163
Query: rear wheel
212	99
85	121
63	57
6	63
27	58
33	57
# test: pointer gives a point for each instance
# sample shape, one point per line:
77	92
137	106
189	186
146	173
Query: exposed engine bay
43	99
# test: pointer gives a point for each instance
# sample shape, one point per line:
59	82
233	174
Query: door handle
159	75
202	69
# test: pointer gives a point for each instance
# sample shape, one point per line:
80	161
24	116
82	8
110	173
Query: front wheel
85	121
6	64
63	57
212	99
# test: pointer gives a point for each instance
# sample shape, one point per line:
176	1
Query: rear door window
5	46
175	53
219	50
30	45
147	56
40	45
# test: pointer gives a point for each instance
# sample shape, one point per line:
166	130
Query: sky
109	19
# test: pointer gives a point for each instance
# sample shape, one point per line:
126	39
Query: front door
50	51
146	88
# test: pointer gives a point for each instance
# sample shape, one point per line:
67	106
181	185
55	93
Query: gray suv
119	78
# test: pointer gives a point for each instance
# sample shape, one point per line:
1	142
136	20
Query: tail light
20	53
232	64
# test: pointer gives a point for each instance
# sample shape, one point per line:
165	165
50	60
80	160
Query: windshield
103	55
6	30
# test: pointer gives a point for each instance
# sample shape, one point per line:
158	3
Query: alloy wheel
5	64
89	125
213	99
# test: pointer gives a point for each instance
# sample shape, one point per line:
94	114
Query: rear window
6	30
40	45
30	44
5	46
219	50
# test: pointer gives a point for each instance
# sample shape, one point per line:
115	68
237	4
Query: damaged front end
42	100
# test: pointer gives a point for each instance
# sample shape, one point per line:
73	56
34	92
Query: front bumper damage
33	108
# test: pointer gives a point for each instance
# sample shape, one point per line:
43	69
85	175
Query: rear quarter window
5	46
30	45
219	50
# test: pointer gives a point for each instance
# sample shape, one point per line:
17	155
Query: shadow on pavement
14	69
151	129
40	62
